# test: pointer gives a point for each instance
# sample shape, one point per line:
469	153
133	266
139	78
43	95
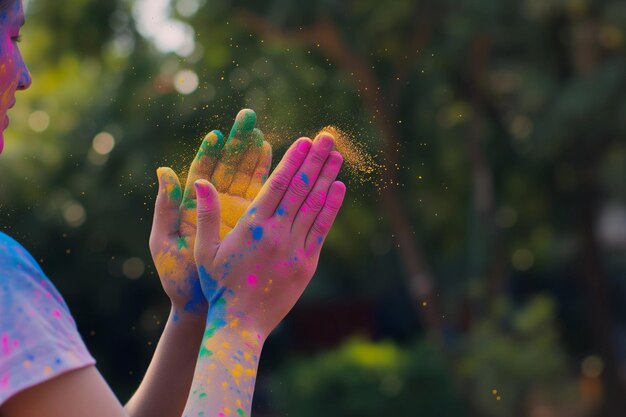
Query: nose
25	79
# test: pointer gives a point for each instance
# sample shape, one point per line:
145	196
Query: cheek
9	75
9	58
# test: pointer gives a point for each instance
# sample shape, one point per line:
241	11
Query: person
233	254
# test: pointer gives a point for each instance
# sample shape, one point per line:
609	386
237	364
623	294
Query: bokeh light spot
186	81
39	121
133	268
523	259
103	143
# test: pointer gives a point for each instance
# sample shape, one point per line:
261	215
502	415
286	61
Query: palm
237	169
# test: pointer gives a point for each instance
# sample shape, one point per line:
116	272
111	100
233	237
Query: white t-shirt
38	336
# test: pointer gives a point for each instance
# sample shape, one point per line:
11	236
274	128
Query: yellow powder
166	263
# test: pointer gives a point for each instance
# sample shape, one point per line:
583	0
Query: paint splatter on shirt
38	336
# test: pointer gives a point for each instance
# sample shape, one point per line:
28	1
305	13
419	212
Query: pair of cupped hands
237	238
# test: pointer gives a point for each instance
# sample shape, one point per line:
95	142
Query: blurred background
479	270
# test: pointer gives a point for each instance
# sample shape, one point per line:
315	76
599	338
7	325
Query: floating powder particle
360	165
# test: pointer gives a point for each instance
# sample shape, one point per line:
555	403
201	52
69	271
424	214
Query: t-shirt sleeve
38	336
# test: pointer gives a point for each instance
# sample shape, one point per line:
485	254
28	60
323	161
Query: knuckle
319	157
279	183
206	215
315	201
298	187
321	227
334	205
250	222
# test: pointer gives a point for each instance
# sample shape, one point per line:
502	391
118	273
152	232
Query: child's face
13	72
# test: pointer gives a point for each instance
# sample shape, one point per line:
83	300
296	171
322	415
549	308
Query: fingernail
327	142
202	189
304	146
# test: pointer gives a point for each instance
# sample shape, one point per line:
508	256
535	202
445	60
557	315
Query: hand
238	168
257	273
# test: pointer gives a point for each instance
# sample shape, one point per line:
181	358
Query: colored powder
210	285
231	208
211	145
244	124
166	263
196	300
190	203
305	178
252	279
358	161
204	352
181	243
175	191
257	233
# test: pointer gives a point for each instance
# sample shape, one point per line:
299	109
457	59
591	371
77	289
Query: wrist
233	327
180	315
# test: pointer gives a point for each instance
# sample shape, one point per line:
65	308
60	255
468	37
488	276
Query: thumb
208	226
165	223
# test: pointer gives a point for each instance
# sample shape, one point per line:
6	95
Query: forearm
165	387
223	382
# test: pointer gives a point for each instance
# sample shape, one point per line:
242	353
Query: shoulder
23	284
14	259
22	280
38	336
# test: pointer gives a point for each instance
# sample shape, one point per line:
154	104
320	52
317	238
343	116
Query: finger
202	167
166	221
241	136
208	230
316	199
261	172
245	171
274	189
204	164
326	217
301	184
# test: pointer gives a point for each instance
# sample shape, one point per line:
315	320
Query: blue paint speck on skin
319	240
217	304
175	316
304	178
280	210
257	233
251	211
197	299
209	284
